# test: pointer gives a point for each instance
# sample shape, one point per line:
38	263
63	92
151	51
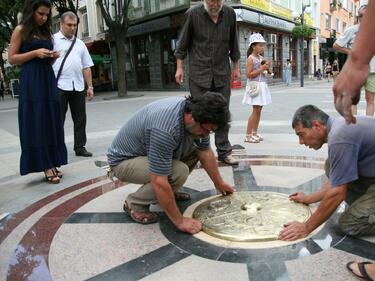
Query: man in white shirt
344	45
71	82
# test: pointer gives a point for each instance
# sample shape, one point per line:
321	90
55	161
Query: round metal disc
249	216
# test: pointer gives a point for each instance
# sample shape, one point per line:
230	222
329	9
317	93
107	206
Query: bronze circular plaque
249	216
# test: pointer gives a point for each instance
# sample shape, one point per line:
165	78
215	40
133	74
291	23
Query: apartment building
336	16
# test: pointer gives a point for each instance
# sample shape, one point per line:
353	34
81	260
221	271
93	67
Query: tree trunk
121	66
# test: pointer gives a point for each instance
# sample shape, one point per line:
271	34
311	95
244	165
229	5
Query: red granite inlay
31	255
12	221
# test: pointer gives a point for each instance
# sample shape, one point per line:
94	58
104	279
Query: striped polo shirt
158	132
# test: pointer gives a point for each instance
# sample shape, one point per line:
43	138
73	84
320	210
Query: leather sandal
52	179
251	139
362	270
58	173
140	217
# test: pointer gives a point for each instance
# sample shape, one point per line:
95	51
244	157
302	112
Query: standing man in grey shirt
209	36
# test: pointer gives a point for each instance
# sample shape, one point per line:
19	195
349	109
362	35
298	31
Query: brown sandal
52	179
140	217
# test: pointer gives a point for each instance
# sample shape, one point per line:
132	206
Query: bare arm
341	49
331	200
207	158
14	56
88	78
250	73
317	196
179	76
164	194
354	74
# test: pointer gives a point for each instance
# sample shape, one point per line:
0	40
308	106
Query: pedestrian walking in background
328	70
288	72
257	69
2	89
40	124
335	68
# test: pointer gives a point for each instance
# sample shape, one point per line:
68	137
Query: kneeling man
350	168
160	145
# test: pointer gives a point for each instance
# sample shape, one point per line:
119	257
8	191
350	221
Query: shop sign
275	23
269	7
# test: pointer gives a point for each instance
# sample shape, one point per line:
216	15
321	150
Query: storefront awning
101	59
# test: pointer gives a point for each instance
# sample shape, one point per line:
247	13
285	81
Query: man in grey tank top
159	146
350	168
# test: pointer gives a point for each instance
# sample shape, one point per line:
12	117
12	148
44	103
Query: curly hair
210	107
30	28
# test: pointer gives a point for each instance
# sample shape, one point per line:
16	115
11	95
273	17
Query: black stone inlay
260	271
244	179
357	247
145	265
99	218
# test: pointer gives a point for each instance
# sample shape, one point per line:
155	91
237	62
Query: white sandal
251	139
256	136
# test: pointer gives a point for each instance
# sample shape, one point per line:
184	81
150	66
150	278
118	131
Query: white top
347	40
79	58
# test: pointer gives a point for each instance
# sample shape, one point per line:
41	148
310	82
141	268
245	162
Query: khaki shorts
370	83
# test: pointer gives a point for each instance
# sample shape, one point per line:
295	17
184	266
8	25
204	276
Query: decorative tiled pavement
81	233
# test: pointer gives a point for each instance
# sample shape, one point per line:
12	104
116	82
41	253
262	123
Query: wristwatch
90	87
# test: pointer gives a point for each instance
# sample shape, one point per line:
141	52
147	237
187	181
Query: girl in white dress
257	69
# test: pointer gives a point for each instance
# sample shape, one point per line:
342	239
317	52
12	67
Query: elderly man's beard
212	11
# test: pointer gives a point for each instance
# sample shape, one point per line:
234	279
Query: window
85	23
328	21
343	26
337	27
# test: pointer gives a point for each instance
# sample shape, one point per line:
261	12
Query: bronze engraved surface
249	216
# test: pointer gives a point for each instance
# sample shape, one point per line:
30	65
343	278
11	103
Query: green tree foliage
301	31
9	10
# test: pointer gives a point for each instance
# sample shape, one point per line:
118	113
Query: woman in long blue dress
40	124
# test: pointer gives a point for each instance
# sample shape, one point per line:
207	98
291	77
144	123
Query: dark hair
306	114
210	107
30	28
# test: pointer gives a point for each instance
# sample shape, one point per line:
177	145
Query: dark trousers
77	103
223	146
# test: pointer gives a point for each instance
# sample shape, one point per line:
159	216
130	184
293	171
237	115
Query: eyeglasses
208	128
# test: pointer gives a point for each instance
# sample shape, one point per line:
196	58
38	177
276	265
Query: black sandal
58	173
361	268
52	179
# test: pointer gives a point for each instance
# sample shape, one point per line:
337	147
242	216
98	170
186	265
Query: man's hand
179	75
293	231
236	73
189	225
225	188
298	197
347	87
90	93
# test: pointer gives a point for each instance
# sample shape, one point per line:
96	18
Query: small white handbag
253	87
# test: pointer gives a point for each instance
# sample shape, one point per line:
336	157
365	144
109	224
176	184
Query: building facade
336	16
